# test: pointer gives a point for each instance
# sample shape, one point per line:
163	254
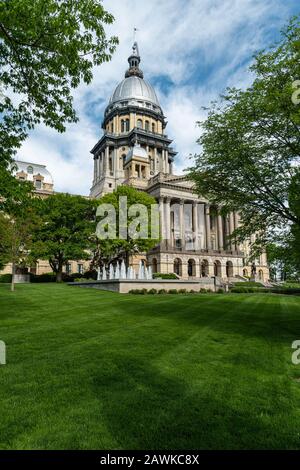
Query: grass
89	369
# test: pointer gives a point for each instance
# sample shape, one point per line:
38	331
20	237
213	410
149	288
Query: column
181	223
168	221
155	160
95	169
163	161
166	161
161	218
195	225
231	229
116	162
99	161
106	162
220	233
207	226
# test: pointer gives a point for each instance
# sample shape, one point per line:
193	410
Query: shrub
172	291
203	290
164	276
192	291
5	278
46	277
220	290
162	291
91	274
182	291
152	291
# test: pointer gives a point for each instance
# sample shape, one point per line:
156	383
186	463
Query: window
153	127
68	268
139	123
122	125
30	170
123	159
21	178
147	126
80	268
127	125
38	184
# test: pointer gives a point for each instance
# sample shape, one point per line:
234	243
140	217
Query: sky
191	50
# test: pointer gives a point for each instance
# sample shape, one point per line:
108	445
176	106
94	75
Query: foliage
5	278
47	48
110	250
164	276
251	146
67	223
16	233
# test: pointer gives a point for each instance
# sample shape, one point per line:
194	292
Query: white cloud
184	40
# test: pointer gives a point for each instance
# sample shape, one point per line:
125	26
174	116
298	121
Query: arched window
204	268
127	125
229	269
261	275
191	267
139	124
123	157
178	266
147	128
30	170
245	272
122	125
217	268
153	127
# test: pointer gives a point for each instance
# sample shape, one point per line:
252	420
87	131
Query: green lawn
89	369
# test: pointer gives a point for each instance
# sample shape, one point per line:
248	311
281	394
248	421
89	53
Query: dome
134	88
136	151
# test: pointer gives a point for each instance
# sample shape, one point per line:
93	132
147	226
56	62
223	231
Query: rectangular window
38	184
80	268
68	268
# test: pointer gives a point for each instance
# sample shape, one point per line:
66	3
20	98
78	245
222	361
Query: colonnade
214	237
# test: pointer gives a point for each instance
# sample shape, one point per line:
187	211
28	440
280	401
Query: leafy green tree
47	48
16	234
67	224
251	145
123	246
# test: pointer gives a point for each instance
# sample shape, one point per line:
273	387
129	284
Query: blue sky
191	51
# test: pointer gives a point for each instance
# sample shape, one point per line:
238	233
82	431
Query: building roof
136	151
37	169
134	88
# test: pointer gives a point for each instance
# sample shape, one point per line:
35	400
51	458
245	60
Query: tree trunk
13	268
59	274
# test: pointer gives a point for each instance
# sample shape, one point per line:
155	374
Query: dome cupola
134	90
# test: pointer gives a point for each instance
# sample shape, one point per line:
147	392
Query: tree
138	213
251	145
67	223
16	234
47	48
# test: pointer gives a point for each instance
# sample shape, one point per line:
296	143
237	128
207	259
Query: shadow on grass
145	408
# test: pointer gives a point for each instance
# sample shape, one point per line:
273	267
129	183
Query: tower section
133	123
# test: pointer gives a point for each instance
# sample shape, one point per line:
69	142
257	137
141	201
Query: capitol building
135	150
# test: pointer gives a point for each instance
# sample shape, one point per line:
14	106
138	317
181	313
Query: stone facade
135	150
